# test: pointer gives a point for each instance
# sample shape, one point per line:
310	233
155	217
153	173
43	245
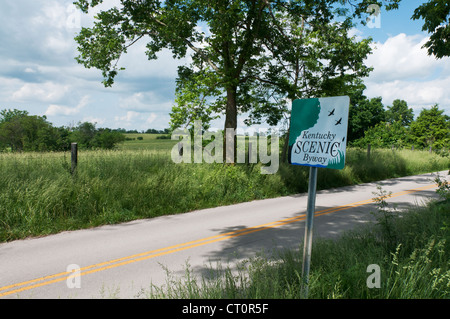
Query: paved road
123	260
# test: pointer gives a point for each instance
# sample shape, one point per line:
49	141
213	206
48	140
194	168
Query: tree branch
195	49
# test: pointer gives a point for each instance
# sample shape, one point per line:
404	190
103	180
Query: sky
39	74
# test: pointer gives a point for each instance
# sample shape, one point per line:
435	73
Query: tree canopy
246	55
23	132
20	131
436	16
364	113
430	129
399	111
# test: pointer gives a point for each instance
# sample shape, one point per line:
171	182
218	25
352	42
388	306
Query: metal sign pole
309	228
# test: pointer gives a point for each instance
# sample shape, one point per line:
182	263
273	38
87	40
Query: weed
443	188
385	218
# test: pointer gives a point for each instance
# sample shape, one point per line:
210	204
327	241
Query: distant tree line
149	131
89	137
371	123
20	131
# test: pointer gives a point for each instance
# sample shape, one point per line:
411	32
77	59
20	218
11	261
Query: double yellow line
47	280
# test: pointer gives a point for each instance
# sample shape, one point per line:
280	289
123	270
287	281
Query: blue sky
38	72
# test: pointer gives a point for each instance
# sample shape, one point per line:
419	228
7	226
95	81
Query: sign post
309	227
317	138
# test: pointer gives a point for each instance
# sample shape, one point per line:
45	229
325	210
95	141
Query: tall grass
40	196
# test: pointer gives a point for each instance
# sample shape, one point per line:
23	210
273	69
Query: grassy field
39	195
149	142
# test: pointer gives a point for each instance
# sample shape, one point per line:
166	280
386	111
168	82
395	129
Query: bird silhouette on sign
331	113
339	122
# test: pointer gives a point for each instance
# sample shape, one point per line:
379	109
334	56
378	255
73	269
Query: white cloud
58	44
142	121
145	102
51	13
60	110
44	92
128	118
402	57
354	32
9	86
418	94
404	70
137	64
54	110
151	118
94	120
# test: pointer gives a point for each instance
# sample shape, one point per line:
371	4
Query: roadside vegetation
410	248
39	195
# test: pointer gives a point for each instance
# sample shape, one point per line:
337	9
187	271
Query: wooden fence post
368	151
74	151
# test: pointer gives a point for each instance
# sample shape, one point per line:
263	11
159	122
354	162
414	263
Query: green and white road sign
318	132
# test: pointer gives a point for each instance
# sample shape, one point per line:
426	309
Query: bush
89	137
163	137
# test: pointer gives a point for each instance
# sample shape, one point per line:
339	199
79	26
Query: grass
414	266
39	196
150	142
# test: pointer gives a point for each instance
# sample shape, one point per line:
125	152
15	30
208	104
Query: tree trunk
229	154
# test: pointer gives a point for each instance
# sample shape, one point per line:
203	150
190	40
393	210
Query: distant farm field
40	196
151	142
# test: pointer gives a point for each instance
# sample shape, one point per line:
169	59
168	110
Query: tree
11	133
364	113
193	91
436	14
230	55
8	115
399	111
107	139
323	60
385	135
22	132
431	128
88	136
84	134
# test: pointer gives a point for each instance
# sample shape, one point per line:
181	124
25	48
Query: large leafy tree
88	136
385	135
236	64
399	111
364	114
432	128
436	16
20	131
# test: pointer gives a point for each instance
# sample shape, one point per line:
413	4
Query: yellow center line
47	280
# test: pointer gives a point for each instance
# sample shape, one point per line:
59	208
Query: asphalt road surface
122	261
